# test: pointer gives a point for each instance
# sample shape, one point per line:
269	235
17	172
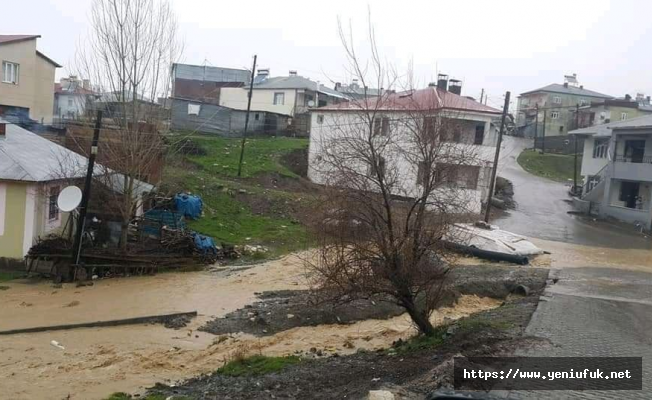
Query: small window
623	116
479	134
556	100
10	72
561	129
554	115
69	102
53	208
583	102
257	116
600	147
320	119
380	168
381	126
194	109
279	99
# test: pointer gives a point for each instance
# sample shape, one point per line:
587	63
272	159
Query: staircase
595	190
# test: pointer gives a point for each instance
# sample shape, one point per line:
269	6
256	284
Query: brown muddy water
98	361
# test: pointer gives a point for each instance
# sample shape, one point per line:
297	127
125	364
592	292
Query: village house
472	119
72	96
555	105
26	79
612	110
617	170
354	91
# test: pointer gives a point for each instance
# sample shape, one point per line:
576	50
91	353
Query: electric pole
244	134
83	208
577	126
496	157
543	134
536	126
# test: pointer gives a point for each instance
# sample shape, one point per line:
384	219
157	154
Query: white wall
337	125
261	100
591	166
69	106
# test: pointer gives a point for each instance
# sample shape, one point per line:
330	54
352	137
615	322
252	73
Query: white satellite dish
69	198
311	103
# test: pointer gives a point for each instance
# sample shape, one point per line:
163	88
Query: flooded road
96	362
542	206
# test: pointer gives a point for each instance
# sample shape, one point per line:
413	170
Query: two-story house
617	170
550	110
612	110
71	98
26	79
472	130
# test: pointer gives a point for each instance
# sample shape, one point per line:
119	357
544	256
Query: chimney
442	82
565	84
628	97
581	86
338	86
647	99
354	84
3	130
455	86
263	73
293	72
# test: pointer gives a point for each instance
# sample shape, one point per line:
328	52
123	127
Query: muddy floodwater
95	362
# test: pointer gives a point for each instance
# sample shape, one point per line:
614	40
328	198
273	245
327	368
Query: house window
279	99
554	115
623	116
194	109
461	176
257	116
600	148
583	102
561	129
422	177
307	99
429	126
10	72
53	208
381	126
556	100
373	171
479	134
69	102
320	119
629	194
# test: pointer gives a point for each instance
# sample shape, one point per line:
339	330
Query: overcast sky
496	45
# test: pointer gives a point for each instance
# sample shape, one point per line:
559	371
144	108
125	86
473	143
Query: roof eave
46	58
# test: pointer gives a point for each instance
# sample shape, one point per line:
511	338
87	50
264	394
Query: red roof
16	38
428	99
79	90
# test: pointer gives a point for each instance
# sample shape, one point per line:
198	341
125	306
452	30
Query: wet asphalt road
542	206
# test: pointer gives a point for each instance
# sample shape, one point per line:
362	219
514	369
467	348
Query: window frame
320	119
53	207
279	95
623	116
554	114
15	71
479	129
556	99
601	149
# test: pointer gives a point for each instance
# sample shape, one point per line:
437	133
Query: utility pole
83	208
244	134
577	126
481	95
543	135
536	125
496	157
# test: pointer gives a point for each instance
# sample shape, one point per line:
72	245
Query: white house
71	96
617	170
474	132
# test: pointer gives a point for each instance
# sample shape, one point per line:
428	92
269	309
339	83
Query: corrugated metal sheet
211	74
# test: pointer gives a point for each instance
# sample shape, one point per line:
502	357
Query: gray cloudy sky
496	45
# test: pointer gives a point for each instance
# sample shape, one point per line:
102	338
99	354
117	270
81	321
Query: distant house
291	96
354	91
556	107
26	79
617	170
71	98
196	103
612	110
473	123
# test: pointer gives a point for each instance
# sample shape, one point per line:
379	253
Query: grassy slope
227	219
552	166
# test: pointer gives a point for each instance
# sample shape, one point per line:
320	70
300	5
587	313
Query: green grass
8	275
257	365
261	155
227	219
557	167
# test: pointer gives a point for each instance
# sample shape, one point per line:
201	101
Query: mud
277	311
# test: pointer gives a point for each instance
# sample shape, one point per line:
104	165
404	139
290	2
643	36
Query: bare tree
395	184
128	57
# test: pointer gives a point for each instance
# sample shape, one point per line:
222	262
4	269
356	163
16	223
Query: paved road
542	206
590	311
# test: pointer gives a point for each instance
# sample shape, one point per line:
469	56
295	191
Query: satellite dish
311	103
69	198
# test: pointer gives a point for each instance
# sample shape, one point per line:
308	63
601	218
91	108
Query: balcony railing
635	159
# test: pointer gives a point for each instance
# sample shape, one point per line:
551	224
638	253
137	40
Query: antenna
69	198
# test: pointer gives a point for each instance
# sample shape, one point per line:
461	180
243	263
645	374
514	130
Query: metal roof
604	130
430	98
211	74
26	156
296	82
557	88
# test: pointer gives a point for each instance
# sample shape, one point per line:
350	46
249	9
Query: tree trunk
124	235
419	317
